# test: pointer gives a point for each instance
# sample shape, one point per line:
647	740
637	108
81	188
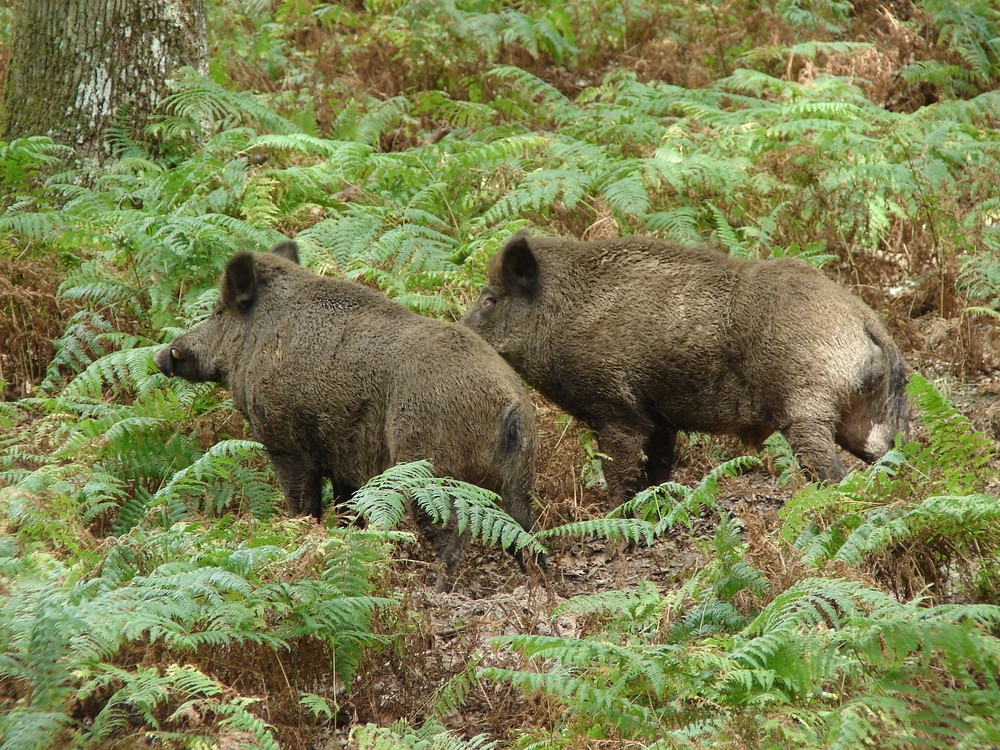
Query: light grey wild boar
640	338
338	381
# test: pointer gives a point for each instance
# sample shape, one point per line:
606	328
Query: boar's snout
169	359
473	317
189	359
164	361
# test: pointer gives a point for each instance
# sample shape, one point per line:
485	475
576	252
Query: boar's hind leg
660	454
301	484
342	492
812	443
624	444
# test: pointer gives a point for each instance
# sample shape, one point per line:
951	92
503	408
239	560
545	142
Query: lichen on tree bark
78	65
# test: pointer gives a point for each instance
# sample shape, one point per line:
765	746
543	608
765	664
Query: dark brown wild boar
640	338
338	381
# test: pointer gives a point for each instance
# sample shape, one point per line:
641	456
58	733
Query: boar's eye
489	301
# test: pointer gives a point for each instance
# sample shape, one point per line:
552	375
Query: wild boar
337	381
640	338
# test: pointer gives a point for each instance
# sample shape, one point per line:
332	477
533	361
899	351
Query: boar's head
507	309
205	352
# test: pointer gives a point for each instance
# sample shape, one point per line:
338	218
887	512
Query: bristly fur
340	382
640	338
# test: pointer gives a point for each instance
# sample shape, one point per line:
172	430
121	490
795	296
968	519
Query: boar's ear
518	266
239	283
288	250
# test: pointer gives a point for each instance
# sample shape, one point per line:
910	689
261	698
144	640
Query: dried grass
31	318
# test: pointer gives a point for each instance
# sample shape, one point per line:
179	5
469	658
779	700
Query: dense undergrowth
152	593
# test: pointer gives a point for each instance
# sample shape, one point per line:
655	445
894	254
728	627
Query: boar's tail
896	413
516	446
512	431
515	449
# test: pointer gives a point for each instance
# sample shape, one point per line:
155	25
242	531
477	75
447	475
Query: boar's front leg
623	443
813	444
451	549
301	484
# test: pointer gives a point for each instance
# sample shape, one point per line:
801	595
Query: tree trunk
78	65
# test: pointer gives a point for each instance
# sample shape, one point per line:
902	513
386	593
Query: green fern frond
22	159
829	15
382	502
950	77
589	700
955	450
457	112
26	729
670	504
638	605
199	99
352	560
679	224
614	529
627	195
381	117
77	347
532	89
118	370
305	144
971	28
539	190
220	463
317	705
258	203
401	736
39	226
980	277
